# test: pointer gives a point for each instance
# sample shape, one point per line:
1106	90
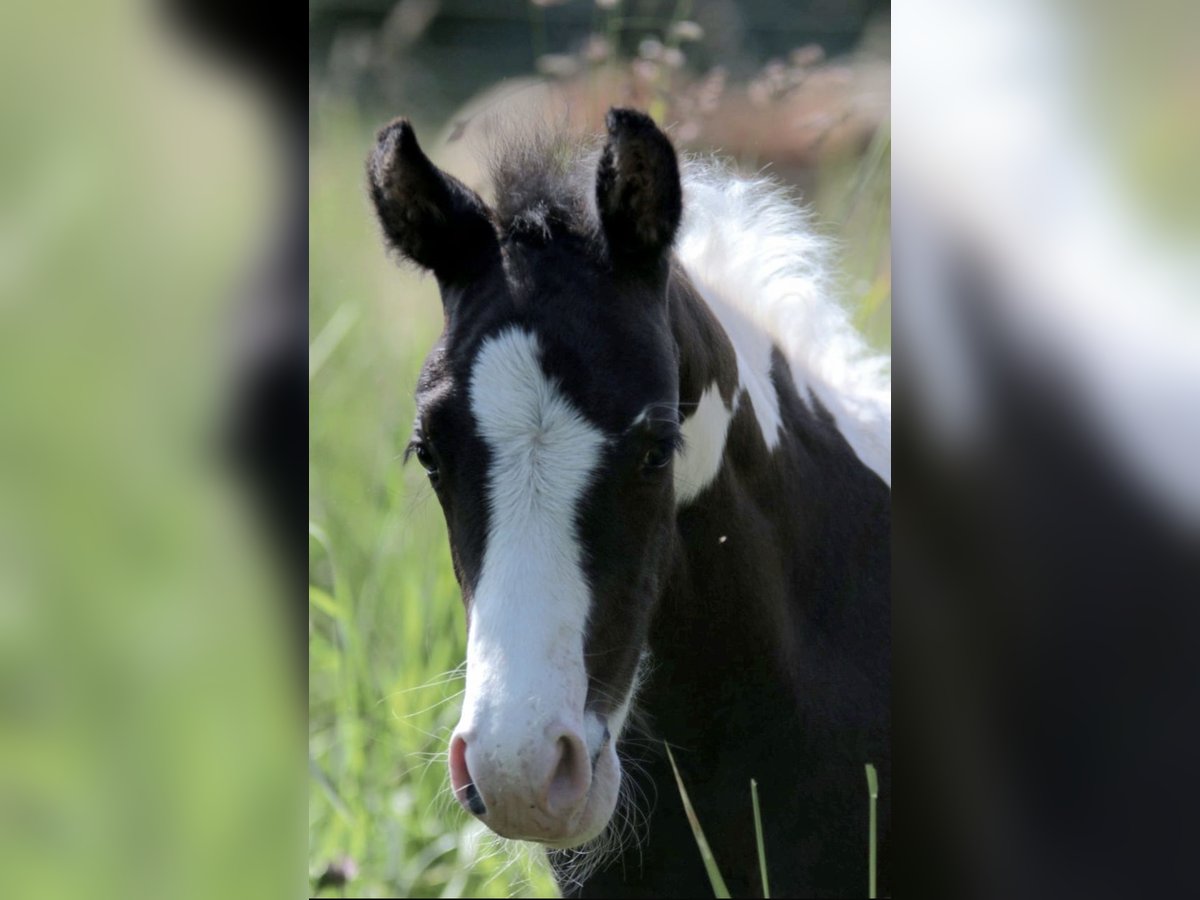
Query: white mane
752	254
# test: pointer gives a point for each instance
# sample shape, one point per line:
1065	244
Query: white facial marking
620	716
525	667
704	435
752	345
594	733
749	248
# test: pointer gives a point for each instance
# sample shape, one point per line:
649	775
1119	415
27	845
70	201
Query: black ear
430	217
638	194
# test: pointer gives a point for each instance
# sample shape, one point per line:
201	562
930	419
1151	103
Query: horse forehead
544	450
506	369
520	369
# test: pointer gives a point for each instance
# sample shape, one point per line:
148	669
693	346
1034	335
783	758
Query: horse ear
430	217
638	194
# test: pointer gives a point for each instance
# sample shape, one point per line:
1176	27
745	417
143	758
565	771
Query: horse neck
791	532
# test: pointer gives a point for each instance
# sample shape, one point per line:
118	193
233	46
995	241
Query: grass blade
335	799
330	336
762	853
322	601
710	864
873	794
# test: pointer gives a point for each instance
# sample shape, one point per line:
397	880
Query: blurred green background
149	721
799	90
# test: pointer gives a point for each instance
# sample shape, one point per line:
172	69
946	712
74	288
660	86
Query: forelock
544	182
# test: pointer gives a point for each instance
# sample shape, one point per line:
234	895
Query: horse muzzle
535	787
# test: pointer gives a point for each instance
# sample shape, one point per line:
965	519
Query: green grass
873	796
758	839
710	862
386	621
706	854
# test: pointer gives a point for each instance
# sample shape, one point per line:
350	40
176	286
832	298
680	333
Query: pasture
386	623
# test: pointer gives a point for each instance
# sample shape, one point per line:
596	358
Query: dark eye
656	458
425	458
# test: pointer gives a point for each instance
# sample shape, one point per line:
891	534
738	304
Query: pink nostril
460	778
570	777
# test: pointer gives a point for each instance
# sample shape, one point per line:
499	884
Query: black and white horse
663	456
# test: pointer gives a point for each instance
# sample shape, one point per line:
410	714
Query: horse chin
601	803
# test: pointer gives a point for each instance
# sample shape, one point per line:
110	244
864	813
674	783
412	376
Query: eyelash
667	447
416	447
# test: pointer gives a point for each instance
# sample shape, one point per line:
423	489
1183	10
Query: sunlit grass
706	854
710	862
758	839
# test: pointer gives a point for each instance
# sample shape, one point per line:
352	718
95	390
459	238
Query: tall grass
710	862
706	854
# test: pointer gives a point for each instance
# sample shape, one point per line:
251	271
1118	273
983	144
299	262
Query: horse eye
425	458
656	458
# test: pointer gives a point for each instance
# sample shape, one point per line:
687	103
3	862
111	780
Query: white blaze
525	666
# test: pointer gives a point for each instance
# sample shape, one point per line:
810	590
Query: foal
659	449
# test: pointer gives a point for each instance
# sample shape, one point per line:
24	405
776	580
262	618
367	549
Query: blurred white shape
992	143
